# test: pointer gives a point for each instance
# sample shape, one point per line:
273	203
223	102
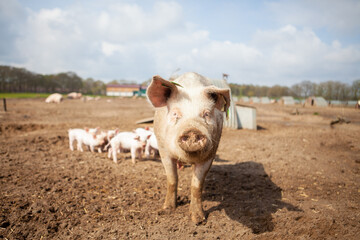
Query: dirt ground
294	178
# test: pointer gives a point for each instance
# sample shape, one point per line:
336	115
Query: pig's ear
116	131
160	90
220	96
86	129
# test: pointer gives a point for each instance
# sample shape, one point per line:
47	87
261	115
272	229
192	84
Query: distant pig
188	124
82	136
54	98
126	141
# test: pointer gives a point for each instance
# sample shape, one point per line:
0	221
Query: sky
254	42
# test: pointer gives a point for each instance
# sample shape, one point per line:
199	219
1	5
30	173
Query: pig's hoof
169	208
198	217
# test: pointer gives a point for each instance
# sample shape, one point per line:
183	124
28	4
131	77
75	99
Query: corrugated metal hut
316	101
287	100
264	100
255	100
244	99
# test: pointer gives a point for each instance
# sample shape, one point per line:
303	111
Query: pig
151	145
93	130
188	123
111	133
82	136
143	133
74	95
126	141
54	98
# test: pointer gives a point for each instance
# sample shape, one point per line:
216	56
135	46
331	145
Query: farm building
337	103
316	101
255	100
352	103
124	90
264	100
287	100
244	99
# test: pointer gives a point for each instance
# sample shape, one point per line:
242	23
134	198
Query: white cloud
126	40
341	17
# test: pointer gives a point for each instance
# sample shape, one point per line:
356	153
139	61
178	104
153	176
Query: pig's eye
175	115
206	115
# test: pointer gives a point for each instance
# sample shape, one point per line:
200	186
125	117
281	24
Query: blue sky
255	42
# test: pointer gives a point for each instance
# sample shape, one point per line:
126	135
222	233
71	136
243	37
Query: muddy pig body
188	124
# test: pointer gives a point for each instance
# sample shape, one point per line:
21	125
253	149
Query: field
294	178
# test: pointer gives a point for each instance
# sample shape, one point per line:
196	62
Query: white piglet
84	137
143	133
126	141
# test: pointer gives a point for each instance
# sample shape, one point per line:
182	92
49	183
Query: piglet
188	124
83	136
126	141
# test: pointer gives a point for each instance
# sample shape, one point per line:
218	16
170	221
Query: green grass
24	95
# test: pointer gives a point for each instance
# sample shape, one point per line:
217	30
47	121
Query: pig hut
287	100
264	100
316	101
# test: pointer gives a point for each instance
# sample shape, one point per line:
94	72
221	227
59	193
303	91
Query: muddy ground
294	178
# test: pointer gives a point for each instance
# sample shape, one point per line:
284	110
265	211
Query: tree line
14	79
330	90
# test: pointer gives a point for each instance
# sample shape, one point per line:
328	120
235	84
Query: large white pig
54	98
188	124
82	136
126	141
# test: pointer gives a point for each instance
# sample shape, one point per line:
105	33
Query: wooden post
4	103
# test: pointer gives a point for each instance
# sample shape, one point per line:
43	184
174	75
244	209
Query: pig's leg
79	146
114	152
199	173
172	182
140	152
91	148
71	141
147	150
133	154
109	152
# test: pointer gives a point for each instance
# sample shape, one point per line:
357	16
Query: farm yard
296	177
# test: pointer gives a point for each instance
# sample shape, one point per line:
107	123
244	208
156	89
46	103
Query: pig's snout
192	140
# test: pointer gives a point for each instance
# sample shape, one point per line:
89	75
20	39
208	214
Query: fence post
4	103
